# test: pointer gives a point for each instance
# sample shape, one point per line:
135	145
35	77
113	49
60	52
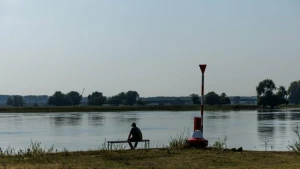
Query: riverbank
156	158
135	108
124	108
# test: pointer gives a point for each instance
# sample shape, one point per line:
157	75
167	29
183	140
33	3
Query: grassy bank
124	108
289	106
156	158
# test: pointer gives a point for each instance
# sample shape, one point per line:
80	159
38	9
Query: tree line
211	98
269	95
73	98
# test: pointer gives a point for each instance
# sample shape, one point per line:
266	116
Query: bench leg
146	145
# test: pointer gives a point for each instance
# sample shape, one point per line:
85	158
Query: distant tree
96	99
223	95
15	101
117	99
122	97
131	98
60	99
270	99
128	98
114	100
294	92
10	101
195	98
141	102
282	95
75	96
264	86
224	99
265	93
212	98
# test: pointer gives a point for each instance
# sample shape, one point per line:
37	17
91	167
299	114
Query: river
251	130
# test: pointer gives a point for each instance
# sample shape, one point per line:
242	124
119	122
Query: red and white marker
197	138
202	67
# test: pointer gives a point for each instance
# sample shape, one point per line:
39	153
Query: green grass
177	155
155	158
289	106
124	108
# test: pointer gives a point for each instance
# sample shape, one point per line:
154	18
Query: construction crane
82	91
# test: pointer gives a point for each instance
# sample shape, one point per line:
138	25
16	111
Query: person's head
133	125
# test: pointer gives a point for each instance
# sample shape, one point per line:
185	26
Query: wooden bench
110	143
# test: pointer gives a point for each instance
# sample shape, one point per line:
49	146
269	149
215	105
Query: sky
150	46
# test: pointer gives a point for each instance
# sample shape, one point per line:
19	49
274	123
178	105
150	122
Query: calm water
83	131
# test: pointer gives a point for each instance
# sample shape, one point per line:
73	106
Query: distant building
84	101
155	101
29	100
243	100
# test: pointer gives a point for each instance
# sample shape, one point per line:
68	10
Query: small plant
119	147
180	141
66	152
266	145
104	146
51	149
220	144
295	145
34	149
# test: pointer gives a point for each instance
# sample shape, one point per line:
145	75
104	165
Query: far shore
136	108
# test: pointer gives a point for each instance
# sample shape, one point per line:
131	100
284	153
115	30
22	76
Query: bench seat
110	143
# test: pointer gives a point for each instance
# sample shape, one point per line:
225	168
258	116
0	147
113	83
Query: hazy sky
151	46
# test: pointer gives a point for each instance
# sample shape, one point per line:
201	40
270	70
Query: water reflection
16	119
272	116
281	116
294	110
265	126
295	116
270	123
269	110
265	132
222	116
96	119
73	119
126	119
282	128
265	116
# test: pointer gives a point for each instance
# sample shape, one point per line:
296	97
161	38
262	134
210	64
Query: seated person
134	135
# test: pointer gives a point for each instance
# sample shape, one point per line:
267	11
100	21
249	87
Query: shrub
180	141
295	145
220	144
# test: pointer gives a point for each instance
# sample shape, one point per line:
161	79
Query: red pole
202	67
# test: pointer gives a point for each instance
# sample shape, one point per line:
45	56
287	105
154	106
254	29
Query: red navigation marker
202	67
197	138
